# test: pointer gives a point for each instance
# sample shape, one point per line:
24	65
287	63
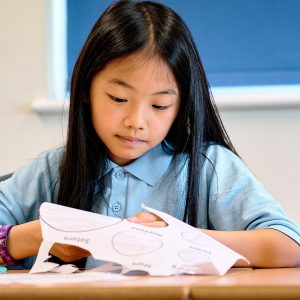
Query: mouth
130	140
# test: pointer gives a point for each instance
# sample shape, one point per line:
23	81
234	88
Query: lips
130	139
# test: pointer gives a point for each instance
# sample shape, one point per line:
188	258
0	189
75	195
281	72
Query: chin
123	160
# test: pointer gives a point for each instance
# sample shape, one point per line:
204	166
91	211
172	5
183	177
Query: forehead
140	66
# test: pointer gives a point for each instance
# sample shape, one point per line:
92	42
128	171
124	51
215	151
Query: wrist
24	240
8	260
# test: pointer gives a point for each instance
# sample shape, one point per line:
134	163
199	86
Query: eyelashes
121	100
160	107
116	99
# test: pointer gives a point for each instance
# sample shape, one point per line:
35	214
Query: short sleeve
22	194
237	201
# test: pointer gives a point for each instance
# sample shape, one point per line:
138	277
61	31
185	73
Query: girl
143	128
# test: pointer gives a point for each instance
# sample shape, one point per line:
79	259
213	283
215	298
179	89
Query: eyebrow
126	85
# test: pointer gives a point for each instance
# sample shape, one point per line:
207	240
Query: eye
116	99
160	107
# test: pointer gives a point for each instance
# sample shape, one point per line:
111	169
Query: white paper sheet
175	249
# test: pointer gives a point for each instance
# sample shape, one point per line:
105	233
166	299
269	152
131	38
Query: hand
68	253
148	219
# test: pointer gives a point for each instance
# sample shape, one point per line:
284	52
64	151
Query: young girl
143	128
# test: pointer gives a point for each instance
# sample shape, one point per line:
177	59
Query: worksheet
175	249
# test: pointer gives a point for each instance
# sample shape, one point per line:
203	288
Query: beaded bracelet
4	254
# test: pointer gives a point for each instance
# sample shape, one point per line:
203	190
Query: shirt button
120	175
116	207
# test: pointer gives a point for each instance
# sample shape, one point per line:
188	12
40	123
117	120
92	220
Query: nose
135	118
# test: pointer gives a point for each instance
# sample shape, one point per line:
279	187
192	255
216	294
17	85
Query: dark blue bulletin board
241	42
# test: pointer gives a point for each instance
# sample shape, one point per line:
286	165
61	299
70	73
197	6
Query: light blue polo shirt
230	196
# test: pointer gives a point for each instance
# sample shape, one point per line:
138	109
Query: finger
144	217
69	248
154	224
81	251
68	253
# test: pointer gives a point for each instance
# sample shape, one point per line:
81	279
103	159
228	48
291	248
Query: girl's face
134	102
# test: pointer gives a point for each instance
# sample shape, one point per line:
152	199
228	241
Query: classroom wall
268	140
23	134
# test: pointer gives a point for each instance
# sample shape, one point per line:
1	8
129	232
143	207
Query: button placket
119	174
118	193
116	207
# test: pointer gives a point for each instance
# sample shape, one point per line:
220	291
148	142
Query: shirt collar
149	168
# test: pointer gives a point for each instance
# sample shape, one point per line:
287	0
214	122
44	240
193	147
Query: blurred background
250	50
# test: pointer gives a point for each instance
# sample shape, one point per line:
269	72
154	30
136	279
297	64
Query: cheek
101	118
162	125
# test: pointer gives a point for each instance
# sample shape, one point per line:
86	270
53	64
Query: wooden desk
236	284
251	284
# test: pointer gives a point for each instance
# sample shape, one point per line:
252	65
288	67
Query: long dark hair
125	28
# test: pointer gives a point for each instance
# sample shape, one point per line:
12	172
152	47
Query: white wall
268	140
23	134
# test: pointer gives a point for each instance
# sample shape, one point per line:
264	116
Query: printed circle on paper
132	243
